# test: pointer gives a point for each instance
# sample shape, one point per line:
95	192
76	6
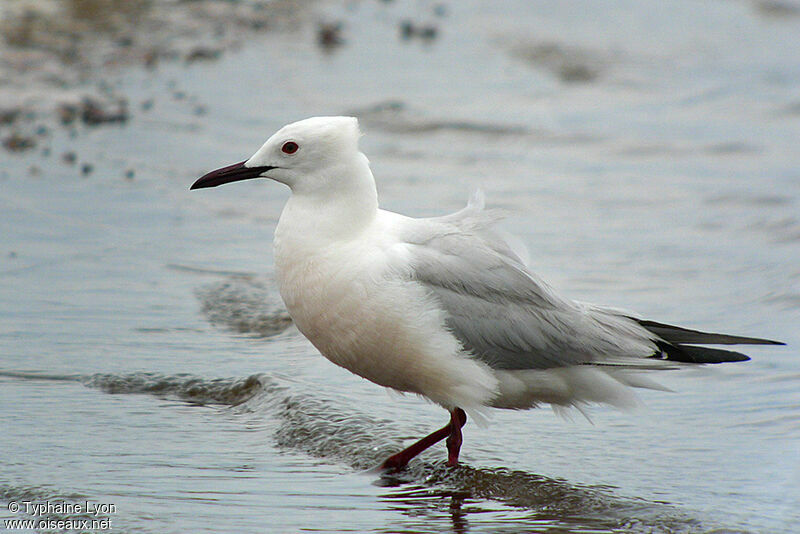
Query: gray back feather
503	314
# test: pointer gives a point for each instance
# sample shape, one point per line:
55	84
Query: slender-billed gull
442	306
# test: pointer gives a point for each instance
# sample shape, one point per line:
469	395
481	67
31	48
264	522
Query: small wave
776	9
781	229
533	503
322	429
319	429
393	116
10	492
683	150
46	505
185	387
246	305
188	388
571	64
732	148
203	271
791	109
742	199
38	375
302	421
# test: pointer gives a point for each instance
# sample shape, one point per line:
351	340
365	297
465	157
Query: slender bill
231	173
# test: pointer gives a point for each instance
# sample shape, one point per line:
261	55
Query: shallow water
146	359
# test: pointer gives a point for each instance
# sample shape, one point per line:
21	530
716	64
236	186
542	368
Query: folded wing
510	319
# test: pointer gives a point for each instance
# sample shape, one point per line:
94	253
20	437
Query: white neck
317	216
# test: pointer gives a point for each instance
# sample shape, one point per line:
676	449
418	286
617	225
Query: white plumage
441	307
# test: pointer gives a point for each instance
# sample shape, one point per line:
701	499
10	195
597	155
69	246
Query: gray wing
503	314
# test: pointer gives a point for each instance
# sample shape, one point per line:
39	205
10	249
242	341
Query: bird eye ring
289	147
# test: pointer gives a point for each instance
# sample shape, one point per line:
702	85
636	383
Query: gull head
311	156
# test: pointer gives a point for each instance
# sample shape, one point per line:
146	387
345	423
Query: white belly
380	327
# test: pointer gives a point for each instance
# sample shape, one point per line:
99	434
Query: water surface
646	154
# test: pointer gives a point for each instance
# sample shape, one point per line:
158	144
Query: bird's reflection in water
433	497
433	506
457	514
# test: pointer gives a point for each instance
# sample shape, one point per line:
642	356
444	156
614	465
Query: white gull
442	306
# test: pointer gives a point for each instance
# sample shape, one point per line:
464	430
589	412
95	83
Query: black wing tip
699	355
752	341
735	357
680	335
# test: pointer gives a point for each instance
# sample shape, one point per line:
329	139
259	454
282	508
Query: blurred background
646	154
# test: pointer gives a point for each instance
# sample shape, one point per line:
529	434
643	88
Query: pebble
329	35
201	53
17	142
9	116
93	112
409	30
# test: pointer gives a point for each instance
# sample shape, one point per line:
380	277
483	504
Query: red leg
457	419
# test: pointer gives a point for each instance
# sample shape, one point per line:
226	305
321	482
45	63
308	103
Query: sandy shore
60	60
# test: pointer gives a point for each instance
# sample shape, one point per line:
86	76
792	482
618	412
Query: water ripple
302	421
246	305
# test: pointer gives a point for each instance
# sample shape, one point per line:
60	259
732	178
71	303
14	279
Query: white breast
363	316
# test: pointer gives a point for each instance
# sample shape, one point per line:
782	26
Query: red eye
289	147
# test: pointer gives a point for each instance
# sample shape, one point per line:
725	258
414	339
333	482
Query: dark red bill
231	173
